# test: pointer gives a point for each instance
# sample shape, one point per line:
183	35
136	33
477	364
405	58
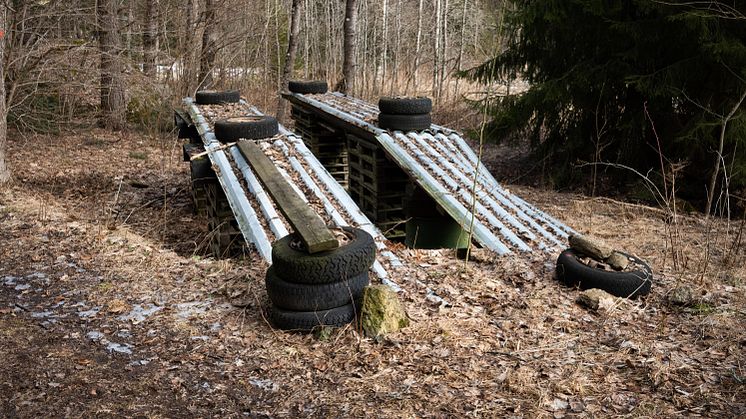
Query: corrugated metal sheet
258	219
444	165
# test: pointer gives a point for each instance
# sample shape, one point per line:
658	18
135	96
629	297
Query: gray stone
590	247
618	261
382	312
681	296
592	298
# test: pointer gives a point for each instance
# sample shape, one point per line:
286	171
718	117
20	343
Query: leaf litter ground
110	305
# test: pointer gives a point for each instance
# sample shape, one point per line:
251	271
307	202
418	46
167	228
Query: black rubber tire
313	297
404	122
344	262
405	105
573	272
213	97
305	321
248	127
308	87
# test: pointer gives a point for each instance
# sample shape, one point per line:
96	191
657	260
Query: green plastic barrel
435	233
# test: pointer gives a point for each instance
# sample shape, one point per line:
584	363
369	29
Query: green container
435	233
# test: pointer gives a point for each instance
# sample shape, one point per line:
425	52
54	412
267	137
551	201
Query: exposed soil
110	306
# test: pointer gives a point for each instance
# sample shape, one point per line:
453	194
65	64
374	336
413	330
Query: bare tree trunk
436	50
397	49
719	155
385	37
148	38
290	56
188	56
207	58
112	89
417	47
347	84
444	54
306	46
461	44
4	170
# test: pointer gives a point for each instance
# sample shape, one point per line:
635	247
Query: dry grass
512	342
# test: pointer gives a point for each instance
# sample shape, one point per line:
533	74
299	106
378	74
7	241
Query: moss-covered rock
382	312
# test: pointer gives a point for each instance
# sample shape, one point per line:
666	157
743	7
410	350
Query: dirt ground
110	306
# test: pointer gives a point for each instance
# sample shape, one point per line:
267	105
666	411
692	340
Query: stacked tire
308	87
216	97
405	113
321	289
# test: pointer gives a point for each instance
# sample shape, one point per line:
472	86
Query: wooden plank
310	226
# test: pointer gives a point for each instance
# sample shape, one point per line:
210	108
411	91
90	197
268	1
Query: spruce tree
636	76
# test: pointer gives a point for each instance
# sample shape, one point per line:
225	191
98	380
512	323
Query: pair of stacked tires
321	289
405	113
249	127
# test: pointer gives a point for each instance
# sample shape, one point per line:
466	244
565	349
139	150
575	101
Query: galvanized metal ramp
441	162
256	214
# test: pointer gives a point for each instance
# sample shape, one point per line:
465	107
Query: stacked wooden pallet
377	185
328	145
225	236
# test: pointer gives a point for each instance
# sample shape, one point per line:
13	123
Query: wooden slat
310	226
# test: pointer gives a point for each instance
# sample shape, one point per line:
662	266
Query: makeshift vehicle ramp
441	162
256	214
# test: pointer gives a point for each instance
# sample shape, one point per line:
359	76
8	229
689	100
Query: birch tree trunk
148	38
4	170
347	84
290	56
207	58
113	104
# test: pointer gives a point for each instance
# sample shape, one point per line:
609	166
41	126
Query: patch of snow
120	348
94	335
88	313
9	280
140	313
187	310
21	287
139	363
202	338
267	385
42	314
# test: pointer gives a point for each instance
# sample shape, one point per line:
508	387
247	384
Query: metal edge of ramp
440	171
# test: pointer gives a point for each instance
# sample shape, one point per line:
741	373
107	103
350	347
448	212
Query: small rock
590	247
681	296
593	297
382	313
618	261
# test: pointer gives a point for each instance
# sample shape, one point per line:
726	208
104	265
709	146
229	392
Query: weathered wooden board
314	233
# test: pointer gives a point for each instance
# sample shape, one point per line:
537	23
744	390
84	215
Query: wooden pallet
377	185
226	239
326	143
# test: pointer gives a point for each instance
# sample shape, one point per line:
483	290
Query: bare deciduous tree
347	84
4	170
290	56
113	105
209	47
149	37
